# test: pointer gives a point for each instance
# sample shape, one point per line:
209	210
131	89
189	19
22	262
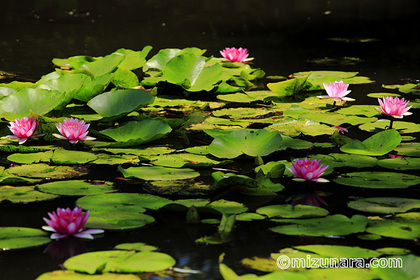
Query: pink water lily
23	128
235	55
337	91
66	222
308	170
394	107
73	130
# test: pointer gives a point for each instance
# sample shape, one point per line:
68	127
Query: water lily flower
308	170
235	55
23	128
342	130
66	222
337	91
73	130
395	156
393	107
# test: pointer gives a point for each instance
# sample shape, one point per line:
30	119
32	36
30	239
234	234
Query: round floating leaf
402	127
138	246
338	251
272	169
76	187
23	194
106	159
377	145
119	261
289	211
335	160
28	158
336	119
183	160
363	110
119	103
62	156
399	228
191	72
42	170
244	217
71	275
39	101
228	207
409	149
115	219
335	225
382	94
400	164
385	205
21	237
120	201
252	143
378	180
158	173
137	132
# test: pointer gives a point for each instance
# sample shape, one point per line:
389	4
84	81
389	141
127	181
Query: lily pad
362	110
21	103
191	72
62	156
411	149
137	132
252	143
115	219
183	160
336	160
119	261
289	211
119	103
288	87
76	187
137	246
400	164
21	237
42	170
158	173
379	144
398	228
378	180
402	127
23	194
334	225
71	275
385	205
28	158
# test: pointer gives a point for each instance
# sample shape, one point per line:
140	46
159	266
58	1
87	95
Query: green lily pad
335	160
220	206
188	187
183	160
103	65
288	87
106	159
398	228
338	251
21	237
62	156
379	144
119	261
382	94
115	219
137	132
23	194
158	173
272	169
119	103
159	60
120	202
334	225
402	127
411	149
252	143
289	211
71	275
137	246
28	158
133	59
385	205
362	110
378	180
76	187
403	267
336	119
245	217
191	72
293	128
42	170
400	164
21	103
149	151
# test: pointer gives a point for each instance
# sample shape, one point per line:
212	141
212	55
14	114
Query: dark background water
283	36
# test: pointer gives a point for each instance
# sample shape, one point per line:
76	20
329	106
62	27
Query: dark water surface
283	36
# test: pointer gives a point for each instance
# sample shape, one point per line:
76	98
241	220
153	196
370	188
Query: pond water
284	37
